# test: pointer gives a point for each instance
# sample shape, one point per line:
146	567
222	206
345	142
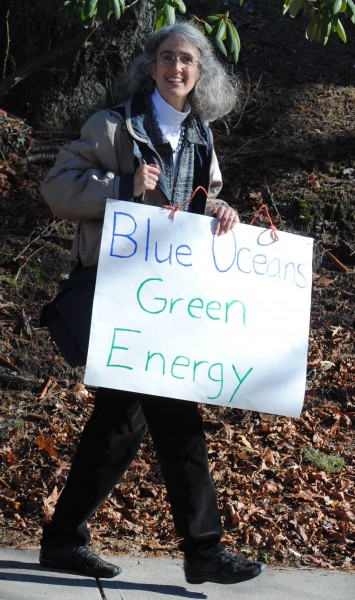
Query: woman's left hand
226	217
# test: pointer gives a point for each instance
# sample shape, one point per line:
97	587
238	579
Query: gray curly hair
215	93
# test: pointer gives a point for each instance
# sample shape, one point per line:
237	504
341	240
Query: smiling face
175	82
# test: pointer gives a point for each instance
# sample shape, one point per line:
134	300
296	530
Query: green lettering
183	364
218	379
210	306
240	380
173	302
229	304
152	355
164	301
115	347
196	303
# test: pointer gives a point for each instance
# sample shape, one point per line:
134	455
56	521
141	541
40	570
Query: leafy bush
324	17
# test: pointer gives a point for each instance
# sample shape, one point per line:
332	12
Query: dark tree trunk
55	75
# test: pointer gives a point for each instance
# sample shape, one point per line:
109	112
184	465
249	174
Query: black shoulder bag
68	316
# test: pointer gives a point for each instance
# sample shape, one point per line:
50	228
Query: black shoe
223	567
79	559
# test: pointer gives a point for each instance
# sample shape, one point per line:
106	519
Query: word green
195	308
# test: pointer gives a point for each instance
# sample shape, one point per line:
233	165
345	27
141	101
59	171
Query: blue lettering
128	235
219	268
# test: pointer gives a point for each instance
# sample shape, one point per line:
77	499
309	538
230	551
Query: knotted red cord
174	209
272	226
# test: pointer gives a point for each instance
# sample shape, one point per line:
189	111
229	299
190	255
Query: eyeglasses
166	59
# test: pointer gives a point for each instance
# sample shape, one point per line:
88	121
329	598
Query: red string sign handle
272	226
174	209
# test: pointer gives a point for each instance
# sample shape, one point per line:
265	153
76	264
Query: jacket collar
136	109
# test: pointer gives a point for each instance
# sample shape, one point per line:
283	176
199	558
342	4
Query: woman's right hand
145	178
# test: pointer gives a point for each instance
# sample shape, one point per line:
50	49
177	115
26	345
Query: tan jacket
100	165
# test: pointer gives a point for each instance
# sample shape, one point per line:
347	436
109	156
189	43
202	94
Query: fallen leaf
47	444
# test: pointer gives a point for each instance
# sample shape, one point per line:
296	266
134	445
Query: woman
153	148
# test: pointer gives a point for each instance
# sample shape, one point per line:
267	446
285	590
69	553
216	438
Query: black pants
110	441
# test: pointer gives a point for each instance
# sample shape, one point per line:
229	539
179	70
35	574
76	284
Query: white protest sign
181	313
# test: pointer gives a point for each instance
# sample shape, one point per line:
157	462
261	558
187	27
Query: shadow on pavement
83	581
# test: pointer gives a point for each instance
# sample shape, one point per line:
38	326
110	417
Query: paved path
22	578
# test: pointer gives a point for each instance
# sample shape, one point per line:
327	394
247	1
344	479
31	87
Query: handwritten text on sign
182	313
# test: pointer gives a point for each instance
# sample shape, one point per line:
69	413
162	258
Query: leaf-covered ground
285	486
